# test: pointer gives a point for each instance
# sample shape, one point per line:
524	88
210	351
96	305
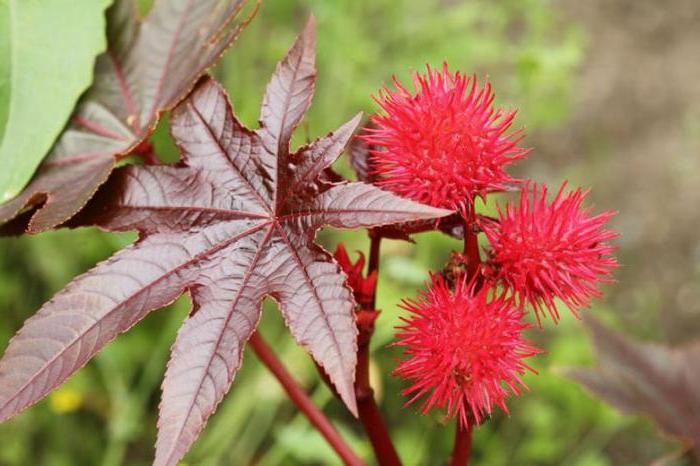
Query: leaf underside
232	223
146	70
649	379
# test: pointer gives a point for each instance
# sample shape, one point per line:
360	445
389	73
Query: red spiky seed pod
464	349
545	250
446	143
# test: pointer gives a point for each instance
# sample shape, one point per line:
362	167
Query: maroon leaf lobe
649	379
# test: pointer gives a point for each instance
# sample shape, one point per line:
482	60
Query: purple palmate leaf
145	71
650	379
234	222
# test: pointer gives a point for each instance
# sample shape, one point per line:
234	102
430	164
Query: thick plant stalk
375	242
368	410
471	250
463	445
370	416
303	402
463	435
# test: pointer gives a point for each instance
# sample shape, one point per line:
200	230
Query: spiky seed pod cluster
445	144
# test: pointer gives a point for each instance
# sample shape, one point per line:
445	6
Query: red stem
146	150
471	247
463	445
370	415
463	436
375	242
303	402
368	410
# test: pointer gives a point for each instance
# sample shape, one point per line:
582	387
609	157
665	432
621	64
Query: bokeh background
608	91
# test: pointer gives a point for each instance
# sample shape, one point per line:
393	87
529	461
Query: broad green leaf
4	63
150	65
47	54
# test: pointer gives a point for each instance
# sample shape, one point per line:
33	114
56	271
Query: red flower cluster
542	251
462	347
446	144
362	287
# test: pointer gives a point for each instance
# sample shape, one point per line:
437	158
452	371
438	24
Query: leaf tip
348	397
310	27
357	119
430	212
308	36
350	127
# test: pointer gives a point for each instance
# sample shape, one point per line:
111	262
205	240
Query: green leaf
47	53
4	64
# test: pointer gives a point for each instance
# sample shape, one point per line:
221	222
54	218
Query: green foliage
4	65
47	53
523	47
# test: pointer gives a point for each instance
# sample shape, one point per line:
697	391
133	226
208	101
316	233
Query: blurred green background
607	91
